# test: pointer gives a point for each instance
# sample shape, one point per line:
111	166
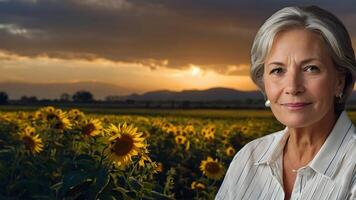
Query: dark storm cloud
208	33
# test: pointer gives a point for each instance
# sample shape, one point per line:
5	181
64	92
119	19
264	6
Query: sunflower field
66	154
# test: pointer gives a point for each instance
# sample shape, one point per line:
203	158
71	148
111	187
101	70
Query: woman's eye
311	68
276	71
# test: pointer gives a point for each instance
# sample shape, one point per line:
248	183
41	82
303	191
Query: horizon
39	90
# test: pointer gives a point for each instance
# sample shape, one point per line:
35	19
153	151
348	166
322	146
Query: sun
195	70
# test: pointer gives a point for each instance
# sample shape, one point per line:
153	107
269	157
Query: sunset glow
195	71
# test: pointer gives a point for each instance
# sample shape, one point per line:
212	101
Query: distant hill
53	90
100	90
213	94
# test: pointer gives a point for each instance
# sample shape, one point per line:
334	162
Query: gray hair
314	19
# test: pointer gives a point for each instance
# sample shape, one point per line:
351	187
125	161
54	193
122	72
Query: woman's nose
294	83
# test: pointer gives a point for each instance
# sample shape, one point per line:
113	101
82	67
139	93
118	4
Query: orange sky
42	69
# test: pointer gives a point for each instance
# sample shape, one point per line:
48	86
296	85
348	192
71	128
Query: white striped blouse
256	170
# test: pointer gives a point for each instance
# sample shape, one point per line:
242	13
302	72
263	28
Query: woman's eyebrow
275	63
309	60
278	63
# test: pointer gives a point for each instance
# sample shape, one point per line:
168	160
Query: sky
141	44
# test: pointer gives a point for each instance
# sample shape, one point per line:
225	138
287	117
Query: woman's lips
295	106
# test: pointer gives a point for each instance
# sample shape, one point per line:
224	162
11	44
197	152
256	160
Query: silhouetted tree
3	98
65	97
83	96
26	99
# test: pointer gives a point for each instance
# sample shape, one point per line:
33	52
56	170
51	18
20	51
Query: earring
267	103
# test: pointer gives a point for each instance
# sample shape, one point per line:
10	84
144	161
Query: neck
304	143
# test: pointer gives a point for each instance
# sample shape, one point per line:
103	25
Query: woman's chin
295	121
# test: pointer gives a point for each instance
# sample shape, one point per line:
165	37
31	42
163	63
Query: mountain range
100	90
212	94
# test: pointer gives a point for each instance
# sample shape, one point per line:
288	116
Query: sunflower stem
102	156
212	183
15	165
133	169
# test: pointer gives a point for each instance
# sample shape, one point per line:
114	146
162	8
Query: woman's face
300	79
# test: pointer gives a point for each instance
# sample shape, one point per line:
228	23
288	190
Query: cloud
155	33
110	4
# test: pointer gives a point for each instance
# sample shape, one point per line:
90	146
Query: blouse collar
330	155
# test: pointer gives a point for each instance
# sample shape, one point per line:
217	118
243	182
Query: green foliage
75	166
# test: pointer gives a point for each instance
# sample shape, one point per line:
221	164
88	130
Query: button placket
298	185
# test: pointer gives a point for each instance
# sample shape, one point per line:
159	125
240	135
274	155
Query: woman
303	61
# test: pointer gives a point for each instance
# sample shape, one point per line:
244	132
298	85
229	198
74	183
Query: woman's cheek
272	91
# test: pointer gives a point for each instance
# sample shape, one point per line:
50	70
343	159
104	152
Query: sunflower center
123	145
88	129
29	142
212	167
59	125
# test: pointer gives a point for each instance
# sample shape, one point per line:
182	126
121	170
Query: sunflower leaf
102	179
157	195
72	179
134	183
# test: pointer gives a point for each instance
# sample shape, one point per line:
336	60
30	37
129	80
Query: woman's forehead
299	44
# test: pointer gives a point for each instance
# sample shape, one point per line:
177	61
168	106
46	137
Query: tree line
81	96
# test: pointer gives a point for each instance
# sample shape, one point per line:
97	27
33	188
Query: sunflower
180	139
52	114
75	114
124	142
225	135
189	130
49	109
5	118
169	128
56	118
92	127
230	151
212	168
32	141
209	135
180	131
245	130
29	130
197	186
209	132
61	123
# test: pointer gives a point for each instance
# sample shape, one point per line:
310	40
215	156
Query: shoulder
244	161
255	149
351	143
353	133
